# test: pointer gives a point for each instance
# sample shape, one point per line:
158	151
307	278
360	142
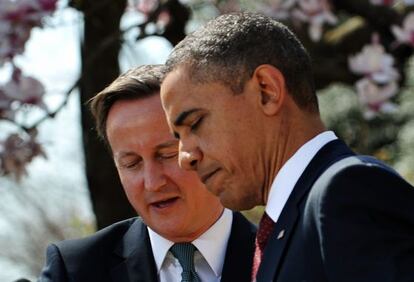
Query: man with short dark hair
240	97
184	233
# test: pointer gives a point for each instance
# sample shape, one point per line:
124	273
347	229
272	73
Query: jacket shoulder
240	249
96	244
86	259
242	223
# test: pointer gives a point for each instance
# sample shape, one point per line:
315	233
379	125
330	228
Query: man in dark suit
239	95
184	233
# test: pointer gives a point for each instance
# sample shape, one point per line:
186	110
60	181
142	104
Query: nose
189	157
154	177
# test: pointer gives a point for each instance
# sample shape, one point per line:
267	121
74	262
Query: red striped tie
263	233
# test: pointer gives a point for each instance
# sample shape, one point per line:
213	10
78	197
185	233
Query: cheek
195	191
137	201
185	179
211	145
218	147
189	183
133	188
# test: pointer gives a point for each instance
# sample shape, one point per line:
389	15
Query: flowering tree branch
365	43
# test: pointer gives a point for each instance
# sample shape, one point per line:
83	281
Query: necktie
184	252
266	226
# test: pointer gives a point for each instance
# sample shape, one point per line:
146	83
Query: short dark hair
230	47
137	83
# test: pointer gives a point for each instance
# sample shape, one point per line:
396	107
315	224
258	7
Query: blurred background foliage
388	137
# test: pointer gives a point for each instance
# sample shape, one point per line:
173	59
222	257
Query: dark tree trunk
100	66
100	48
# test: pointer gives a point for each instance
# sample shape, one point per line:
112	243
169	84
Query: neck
181	237
290	135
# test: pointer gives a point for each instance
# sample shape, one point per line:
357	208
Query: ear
271	83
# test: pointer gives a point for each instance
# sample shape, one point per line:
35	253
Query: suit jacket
122	253
349	219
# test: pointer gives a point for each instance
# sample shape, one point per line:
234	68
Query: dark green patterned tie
184	252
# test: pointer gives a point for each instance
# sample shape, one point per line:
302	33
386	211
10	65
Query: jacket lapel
240	248
278	242
137	259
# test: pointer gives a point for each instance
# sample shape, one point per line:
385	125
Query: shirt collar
160	247
212	244
290	172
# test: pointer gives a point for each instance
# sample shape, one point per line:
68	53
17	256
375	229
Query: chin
237	203
177	235
169	232
231	204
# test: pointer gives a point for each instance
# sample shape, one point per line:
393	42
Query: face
219	137
172	201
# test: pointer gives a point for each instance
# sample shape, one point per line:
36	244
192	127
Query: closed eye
168	155
131	165
196	123
128	161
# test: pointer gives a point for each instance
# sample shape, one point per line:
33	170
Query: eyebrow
181	117
166	144
122	155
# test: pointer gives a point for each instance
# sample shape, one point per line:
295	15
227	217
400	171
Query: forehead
175	84
139	119
177	92
180	93
129	110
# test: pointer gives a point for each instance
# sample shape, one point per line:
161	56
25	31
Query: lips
164	203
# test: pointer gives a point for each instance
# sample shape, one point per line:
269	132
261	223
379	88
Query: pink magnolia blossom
144	6
390	2
13	37
373	62
164	19
15	11
376	98
17	18
228	6
13	40
383	2
6	111
24	89
316	13
27	12
278	9
405	34
16	153
48	5
6	47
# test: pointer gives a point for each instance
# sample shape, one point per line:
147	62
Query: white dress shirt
291	171
208	258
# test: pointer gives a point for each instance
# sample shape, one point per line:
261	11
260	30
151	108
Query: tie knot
184	252
265	229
